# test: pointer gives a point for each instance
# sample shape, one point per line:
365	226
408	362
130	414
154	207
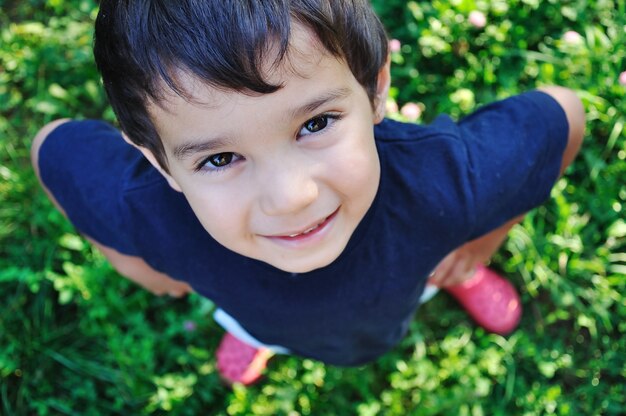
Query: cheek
221	215
355	172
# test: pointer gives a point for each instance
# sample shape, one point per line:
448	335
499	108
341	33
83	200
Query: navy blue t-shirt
441	185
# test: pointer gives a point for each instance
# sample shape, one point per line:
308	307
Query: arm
459	265
134	268
575	114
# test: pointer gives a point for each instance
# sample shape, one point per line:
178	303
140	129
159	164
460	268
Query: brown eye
221	159
219	162
316	124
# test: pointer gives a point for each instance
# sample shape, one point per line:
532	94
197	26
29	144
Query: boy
262	174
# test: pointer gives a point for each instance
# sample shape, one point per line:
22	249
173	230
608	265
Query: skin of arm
459	265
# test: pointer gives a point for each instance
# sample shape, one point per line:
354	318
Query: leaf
57	91
47	107
72	242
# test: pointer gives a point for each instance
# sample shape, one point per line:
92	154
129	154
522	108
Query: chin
304	266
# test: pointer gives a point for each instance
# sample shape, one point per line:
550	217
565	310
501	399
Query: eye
219	161
318	123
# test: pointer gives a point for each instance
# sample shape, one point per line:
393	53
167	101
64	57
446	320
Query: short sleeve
514	150
83	164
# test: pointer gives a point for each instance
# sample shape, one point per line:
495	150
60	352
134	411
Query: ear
153	161
382	91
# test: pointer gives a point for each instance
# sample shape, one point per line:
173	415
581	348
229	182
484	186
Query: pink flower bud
477	19
411	111
622	78
395	45
572	37
391	107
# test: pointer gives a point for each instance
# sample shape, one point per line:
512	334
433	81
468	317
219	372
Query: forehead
303	59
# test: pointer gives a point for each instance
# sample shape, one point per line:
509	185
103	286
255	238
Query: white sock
429	292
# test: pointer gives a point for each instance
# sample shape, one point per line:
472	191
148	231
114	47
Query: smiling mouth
309	231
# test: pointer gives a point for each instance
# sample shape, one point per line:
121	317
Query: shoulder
423	179
532	110
84	164
421	154
545	103
390	131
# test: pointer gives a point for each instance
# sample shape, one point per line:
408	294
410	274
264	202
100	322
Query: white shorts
231	325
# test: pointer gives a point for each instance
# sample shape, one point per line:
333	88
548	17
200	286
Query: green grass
76	339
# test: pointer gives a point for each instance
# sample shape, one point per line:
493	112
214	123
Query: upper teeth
305	231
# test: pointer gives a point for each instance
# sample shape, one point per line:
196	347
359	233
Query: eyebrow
188	149
317	102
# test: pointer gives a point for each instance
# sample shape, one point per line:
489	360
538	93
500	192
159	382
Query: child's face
286	177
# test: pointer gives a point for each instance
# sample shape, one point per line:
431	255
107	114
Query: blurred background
76	339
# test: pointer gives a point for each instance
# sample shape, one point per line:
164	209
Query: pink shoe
238	362
490	300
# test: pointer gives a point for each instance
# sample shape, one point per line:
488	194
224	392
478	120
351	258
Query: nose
287	190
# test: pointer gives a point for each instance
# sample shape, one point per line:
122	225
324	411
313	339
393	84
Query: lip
309	233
